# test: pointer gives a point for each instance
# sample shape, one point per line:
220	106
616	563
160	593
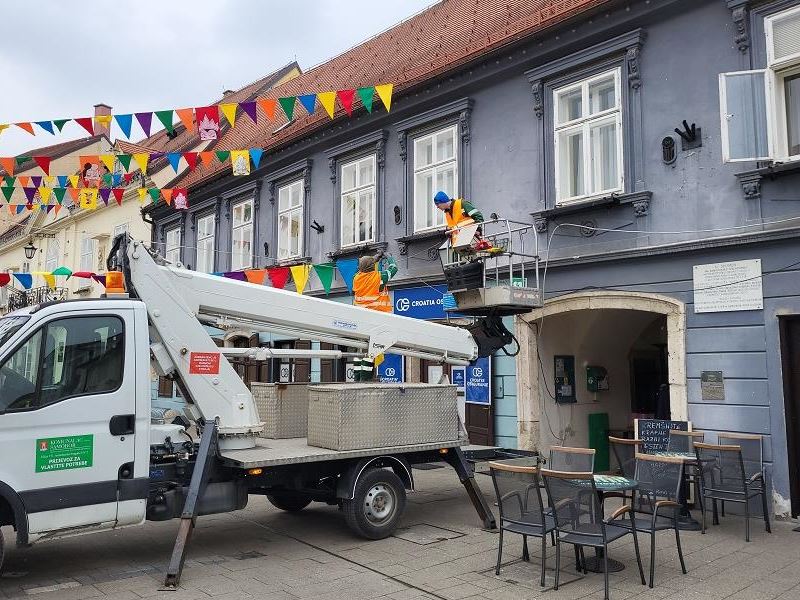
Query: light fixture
30	250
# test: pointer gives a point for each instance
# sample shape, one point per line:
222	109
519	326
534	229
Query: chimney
102	110
227	93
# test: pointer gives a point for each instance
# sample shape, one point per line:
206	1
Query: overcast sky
58	58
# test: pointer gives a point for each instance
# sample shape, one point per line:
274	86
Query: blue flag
309	102
25	279
125	122
47	126
174	158
348	267
255	156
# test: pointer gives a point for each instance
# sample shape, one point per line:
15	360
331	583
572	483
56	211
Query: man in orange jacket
459	213
370	291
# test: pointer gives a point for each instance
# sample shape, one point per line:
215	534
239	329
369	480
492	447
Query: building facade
668	258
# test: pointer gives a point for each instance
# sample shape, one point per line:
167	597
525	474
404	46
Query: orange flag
73	192
8	165
24	180
186	115
268	106
167	193
255	275
206	157
26	126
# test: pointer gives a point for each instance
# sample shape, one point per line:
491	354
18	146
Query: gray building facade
573	130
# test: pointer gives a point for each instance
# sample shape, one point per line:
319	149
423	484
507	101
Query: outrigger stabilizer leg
202	466
466	474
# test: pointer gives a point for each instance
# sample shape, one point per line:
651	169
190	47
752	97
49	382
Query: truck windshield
9	326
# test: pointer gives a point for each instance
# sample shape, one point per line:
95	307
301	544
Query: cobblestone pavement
266	554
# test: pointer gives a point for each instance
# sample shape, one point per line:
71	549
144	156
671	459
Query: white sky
58	58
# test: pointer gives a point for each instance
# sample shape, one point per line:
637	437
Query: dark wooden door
790	360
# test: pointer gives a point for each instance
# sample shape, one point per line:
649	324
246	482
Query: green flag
107	179
62	271
9	181
22	159
366	94
59	194
8	192
165	116
325	273
287	104
154	194
222	155
124	160
61	122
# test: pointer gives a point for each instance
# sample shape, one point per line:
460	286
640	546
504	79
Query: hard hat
441	198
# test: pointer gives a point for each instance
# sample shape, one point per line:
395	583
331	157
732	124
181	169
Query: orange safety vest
456	217
368	294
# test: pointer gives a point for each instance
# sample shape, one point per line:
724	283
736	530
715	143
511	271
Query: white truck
78	451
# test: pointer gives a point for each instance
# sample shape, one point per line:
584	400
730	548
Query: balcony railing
21	298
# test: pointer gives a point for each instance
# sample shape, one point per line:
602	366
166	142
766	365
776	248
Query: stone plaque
712	386
728	286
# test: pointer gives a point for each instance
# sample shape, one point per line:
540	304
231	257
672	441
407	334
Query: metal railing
21	298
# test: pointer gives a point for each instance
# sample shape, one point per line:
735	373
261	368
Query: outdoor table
685	520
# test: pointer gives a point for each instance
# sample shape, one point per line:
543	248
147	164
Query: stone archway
529	393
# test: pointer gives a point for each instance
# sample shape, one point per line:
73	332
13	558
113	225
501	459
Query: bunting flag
8	165
186	115
385	94
108	160
222	155
118	193
87	124
145	119
348	267
255	275
125	123
26	127
300	275
174	159
207	157
366	94
287	104
309	102
249	108
25	279
5	279
142	192
142	158
207	122
238	275
241	162
47	126
229	110
103	120
325	273
63	271
255	156
167	193
59	123
346	99
328	101
191	159
278	276
125	161
59	194
88	198
165	116
268	106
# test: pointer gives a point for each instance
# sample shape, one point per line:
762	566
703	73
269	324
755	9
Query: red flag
278	276
346	98
127	177
83	274
207	121
8	165
86	123
268	106
118	195
44	163
191	159
5	278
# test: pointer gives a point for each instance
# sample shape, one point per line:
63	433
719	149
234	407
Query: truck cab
74	417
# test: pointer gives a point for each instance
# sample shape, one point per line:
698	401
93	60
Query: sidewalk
440	553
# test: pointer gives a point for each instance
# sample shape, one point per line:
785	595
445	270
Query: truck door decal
59	453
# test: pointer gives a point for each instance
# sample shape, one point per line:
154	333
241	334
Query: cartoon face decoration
179	200
241	166
91	175
208	128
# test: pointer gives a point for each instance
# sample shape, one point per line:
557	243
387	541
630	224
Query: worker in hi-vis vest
370	291
457	211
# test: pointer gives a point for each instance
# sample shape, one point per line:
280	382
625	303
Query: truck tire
288	501
377	505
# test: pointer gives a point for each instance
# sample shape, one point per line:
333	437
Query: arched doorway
626	333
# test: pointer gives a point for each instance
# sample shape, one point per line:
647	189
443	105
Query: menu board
654	433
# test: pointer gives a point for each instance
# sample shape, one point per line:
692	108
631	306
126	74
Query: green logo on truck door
57	454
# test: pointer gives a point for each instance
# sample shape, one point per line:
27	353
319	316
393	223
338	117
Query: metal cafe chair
683	441
723	477
563	458
519	498
624	451
753	460
659	479
579	517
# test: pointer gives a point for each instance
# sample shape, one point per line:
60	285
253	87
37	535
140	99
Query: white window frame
120	228
585	123
172	244
359	187
202	241
289	211
88	255
421	204
774	76
247	263
52	255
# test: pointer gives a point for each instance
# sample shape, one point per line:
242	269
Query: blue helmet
441	198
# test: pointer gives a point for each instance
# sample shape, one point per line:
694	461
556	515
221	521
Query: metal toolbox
358	416
283	407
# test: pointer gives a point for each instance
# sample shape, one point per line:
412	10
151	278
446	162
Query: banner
207	122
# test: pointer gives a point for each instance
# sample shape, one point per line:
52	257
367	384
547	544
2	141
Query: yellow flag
3	127
49	179
108	161
385	94
300	275
142	160
73	180
104	120
48	277
88	198
240	161
328	101
44	194
142	194
229	110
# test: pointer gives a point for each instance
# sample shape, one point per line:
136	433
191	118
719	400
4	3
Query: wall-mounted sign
478	381
420	302
391	369
712	386
728	286
459	374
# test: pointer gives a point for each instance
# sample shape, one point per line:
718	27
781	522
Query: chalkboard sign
654	433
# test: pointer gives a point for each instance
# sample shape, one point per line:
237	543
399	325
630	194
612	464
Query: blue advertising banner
391	369
458	377
424	302
478	381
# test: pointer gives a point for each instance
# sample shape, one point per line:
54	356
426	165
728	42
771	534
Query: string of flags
277	276
206	120
54	198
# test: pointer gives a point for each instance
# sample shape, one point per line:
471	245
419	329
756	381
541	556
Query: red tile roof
437	40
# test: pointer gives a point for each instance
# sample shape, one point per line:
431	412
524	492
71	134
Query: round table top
687	456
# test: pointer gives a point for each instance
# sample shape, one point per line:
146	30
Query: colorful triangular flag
249	108
191	159
167	193
385	94
268	106
346	98
108	161
154	194
59	194
328	101
62	180
47	126
25	279
255	275
186	115
145	119
255	156
174	159
86	123
309	102
348	268
206	157
165	116
104	195
142	159
366	94
118	195
8	164
45	193
229	110
59	123
325	273
287	104
300	275
43	162
125	161
26	126
278	276
222	155
88	198
125	123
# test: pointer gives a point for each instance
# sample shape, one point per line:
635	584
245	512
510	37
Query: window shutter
783	37
746	121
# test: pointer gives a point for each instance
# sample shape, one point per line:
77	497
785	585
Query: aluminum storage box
283	407
357	416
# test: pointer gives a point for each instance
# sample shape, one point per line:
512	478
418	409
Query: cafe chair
683	441
624	451
519	498
752	458
657	509
563	458
723	477
579	518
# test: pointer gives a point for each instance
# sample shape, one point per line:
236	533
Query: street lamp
30	250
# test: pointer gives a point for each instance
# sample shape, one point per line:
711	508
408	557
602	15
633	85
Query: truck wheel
288	501
378	504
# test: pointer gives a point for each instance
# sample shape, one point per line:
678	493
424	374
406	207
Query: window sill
358	249
639	200
751	180
293	261
422	236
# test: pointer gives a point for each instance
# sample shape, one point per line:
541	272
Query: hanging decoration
348	267
325	273
278	276
207	122
300	275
